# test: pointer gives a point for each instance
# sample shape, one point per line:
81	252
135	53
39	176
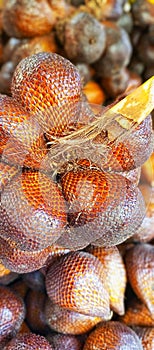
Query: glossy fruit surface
49	87
33	210
112	335
28	341
140	269
66	321
115	275
12	313
75	282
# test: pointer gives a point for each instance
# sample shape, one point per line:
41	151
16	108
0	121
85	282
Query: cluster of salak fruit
69	196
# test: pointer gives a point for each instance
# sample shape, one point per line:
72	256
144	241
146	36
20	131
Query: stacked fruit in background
68	180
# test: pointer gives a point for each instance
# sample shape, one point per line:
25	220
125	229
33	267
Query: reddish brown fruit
29	341
143	12
68	322
49	87
35	280
137	314
6	73
45	43
33	211
21	20
116	83
102	207
114	275
112	335
64	342
24	328
22	140
128	152
75	282
22	261
12	313
140	269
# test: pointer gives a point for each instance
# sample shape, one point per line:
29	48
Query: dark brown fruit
35	303
117	53
35	280
143	12
12	313
6	73
84	38
22	261
75	282
33	211
116	83
112	335
20	287
7	172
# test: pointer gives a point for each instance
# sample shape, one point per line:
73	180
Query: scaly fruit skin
12	314
33	211
137	314
49	87
140	269
64	341
24	261
23	19
107	206
102	208
75	282
22	141
28	341
115	275
129	151
67	321
112	335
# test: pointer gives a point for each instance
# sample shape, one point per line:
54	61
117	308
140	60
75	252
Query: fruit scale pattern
65	184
